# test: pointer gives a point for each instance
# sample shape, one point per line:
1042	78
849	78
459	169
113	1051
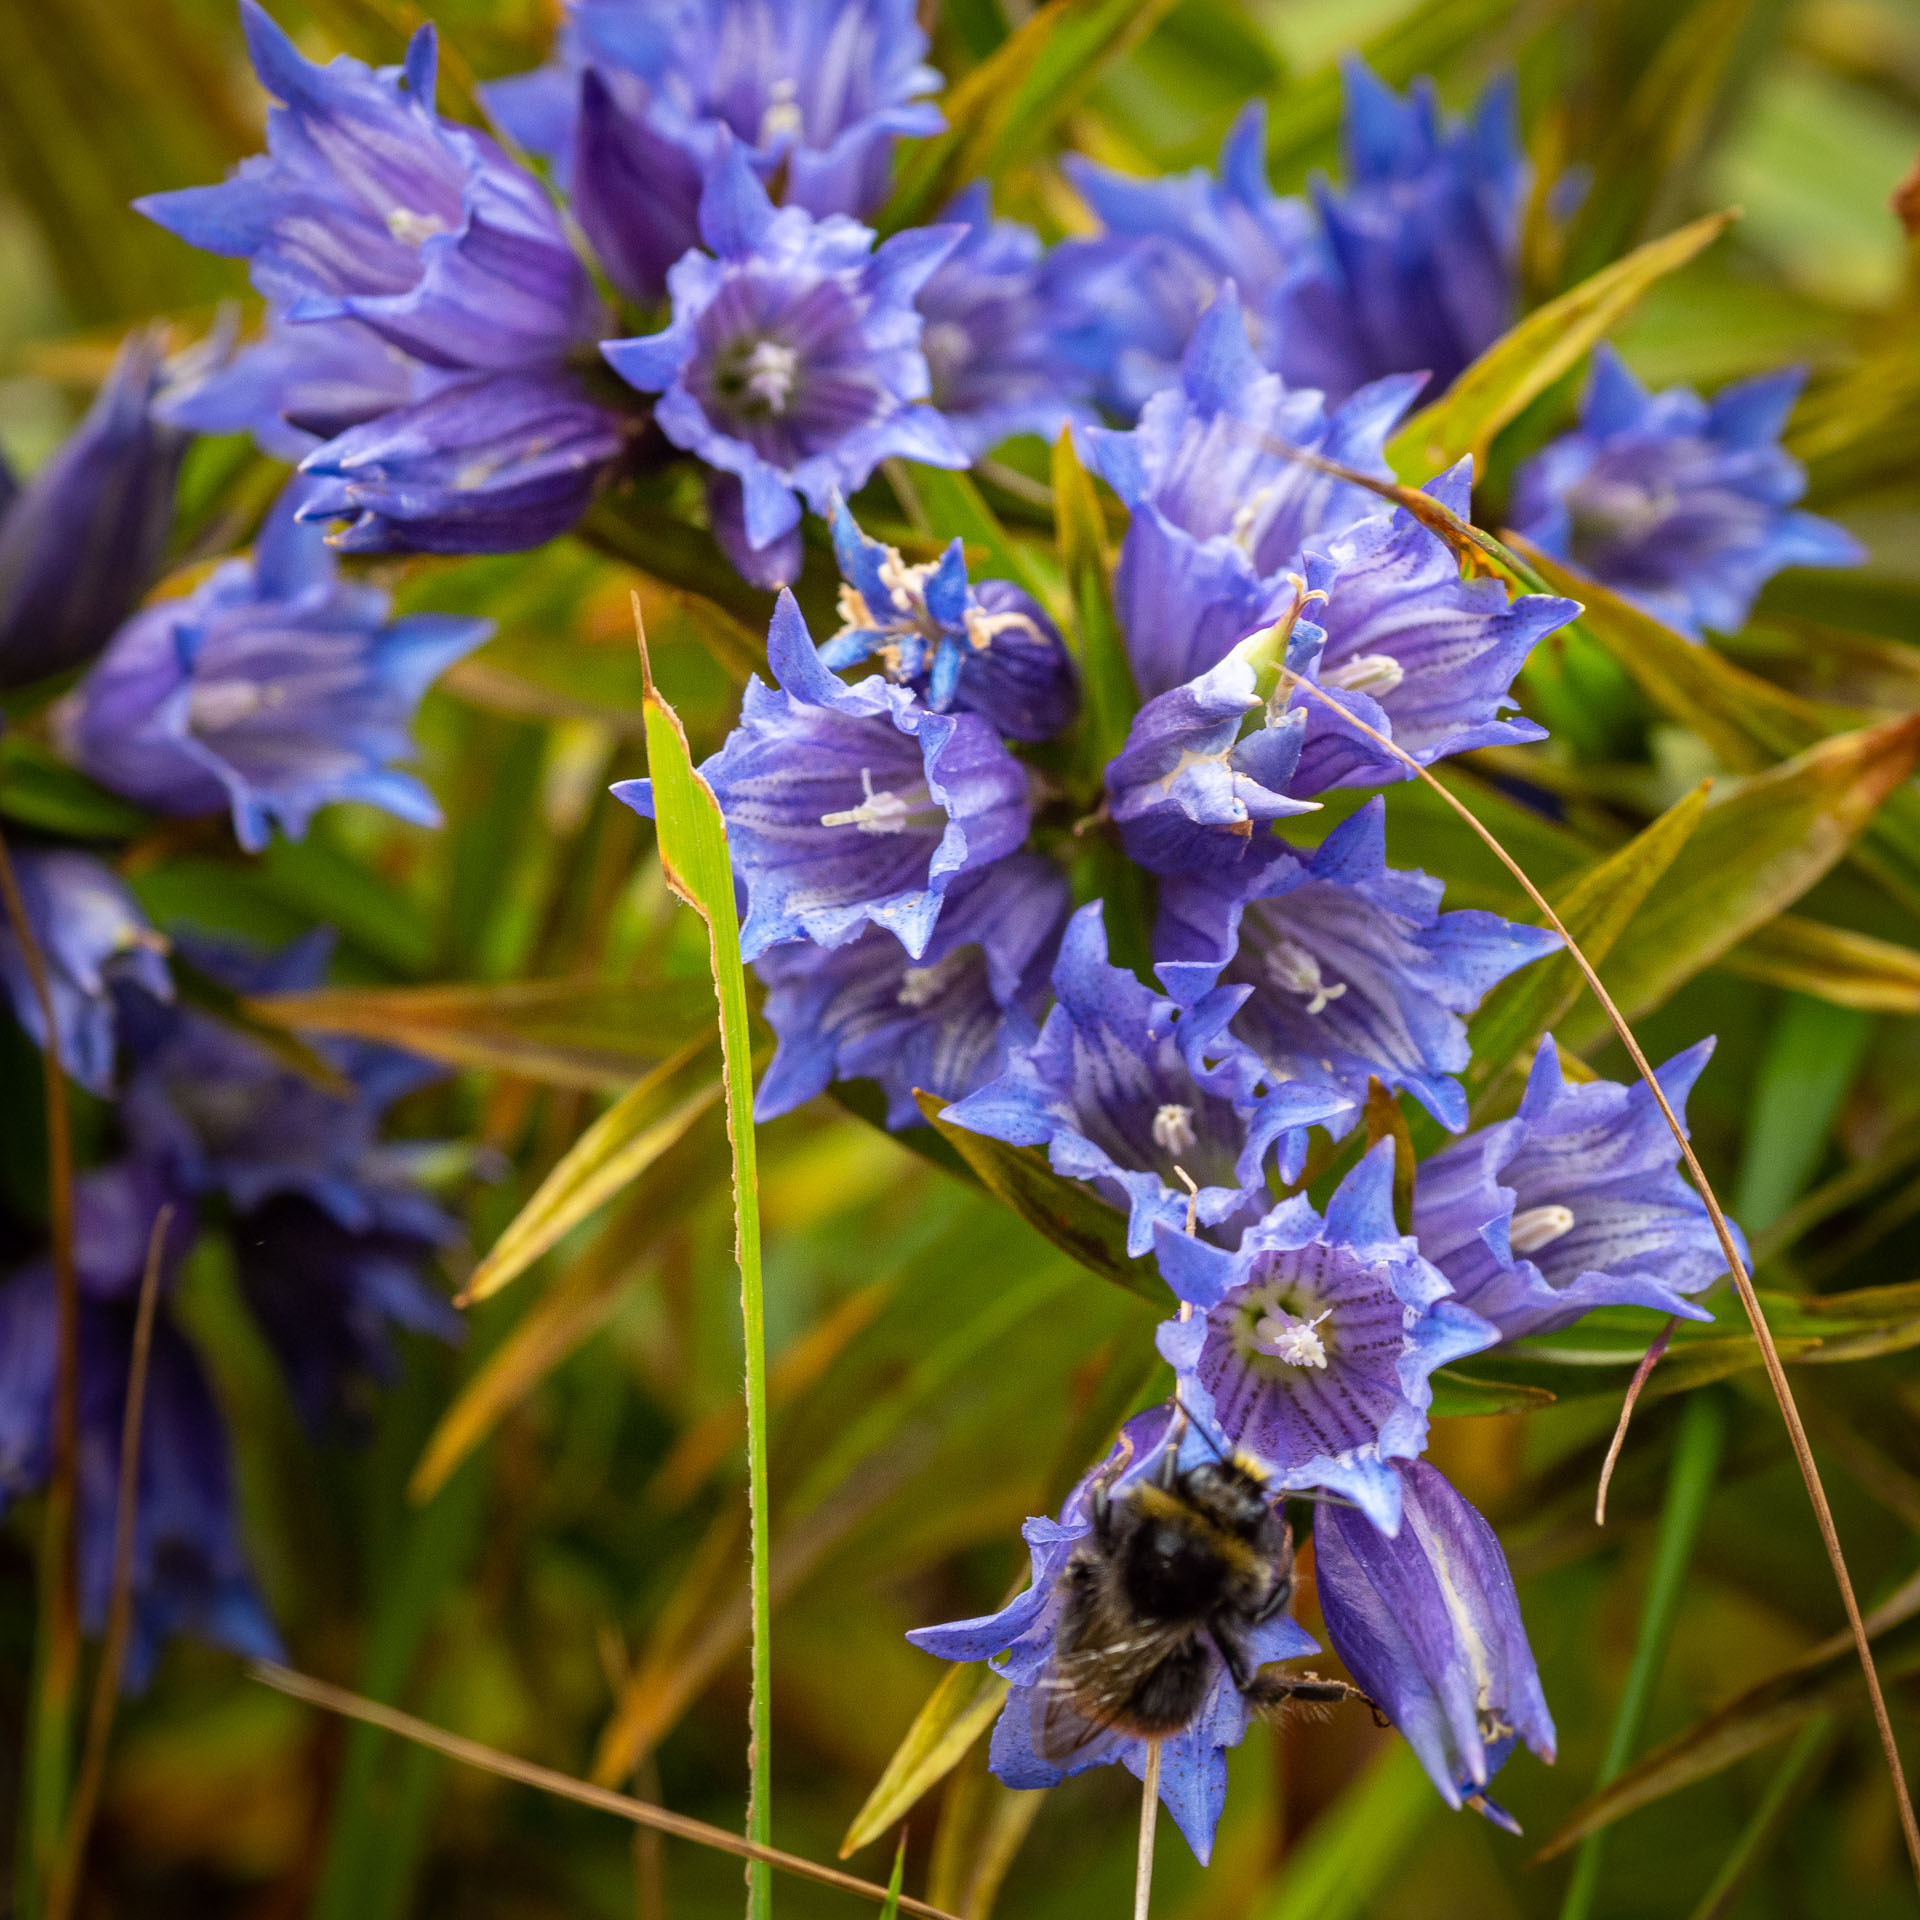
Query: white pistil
411	228
1538	1227
782	117
921	986
772	368
1297	1342
1173	1129
1293	969
1374	673
217	704
882	812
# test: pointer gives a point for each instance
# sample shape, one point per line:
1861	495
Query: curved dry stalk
65	1885
1648	1361
1736	1267
317	1693
1149	1815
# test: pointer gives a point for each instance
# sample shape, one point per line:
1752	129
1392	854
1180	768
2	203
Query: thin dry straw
1149	1815
113	1650
318	1693
1736	1267
1648	1361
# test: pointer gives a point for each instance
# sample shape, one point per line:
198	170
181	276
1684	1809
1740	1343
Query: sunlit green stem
1696	1458
1795	1773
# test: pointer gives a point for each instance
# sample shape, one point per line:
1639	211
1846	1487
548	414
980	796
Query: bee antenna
1199	1427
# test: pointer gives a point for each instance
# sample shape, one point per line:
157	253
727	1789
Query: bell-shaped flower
368	205
1574	1203
92	938
1312	1345
1348	968
1221	508
1427	1622
1414	267
852	805
793	359
1414	651
272	689
941	1024
994	351
1157	1107
83	540
1018	1642
1684	506
990	650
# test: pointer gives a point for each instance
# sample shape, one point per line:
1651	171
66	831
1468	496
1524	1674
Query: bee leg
1239	1668
1276	1689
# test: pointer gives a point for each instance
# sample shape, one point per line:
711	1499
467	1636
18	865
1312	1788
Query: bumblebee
1178	1567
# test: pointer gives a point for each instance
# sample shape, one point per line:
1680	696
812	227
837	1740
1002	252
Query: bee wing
1083	1698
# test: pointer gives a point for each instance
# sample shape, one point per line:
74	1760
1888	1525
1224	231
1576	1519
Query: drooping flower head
83	540
848	806
272	689
92	937
941	1024
1019	1640
1220	511
1348	969
1574	1203
995	354
793	358
1427	1622
1312	1344
990	650
1159	1108
1683	505
1413	269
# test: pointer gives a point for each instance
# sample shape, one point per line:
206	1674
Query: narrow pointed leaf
1094	632
956	506
1844	968
958	1711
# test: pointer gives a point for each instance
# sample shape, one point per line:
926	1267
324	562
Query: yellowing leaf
958	1711
1830	963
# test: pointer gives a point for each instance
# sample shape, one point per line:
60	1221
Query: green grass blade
1811	1057
891	1910
1696	1459
1351	1852
1797	1771
693	854
958	1711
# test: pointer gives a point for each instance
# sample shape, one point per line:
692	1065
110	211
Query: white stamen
882	812
906	584
771	370
411	228
921	986
983	627
1293	969
1173	1128
1374	673
216	704
1538	1227
1248	518
782	117
1297	1342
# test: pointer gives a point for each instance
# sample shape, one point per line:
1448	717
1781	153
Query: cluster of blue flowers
462	352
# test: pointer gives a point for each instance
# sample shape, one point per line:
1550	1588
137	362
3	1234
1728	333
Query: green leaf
627	1139
1458	1396
1112	697
958	1711
40	791
1069	1214
1350	1854
643	534
1833	964
956	506
1811	1056
599	1034
693	856
890	1907
1596	909
1014	98
1528	359
1761	844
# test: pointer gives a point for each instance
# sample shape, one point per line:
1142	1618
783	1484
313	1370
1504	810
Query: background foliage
542	1543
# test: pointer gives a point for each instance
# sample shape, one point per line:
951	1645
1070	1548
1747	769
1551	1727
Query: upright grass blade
693	854
1811	1057
1797	1771
1354	1848
1696	1459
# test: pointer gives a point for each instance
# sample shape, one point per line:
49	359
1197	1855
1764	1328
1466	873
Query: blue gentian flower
1427	1622
643	98
1018	1642
793	358
1414	265
92	937
1178	239
371	211
992	339
1574	1203
1158	1107
1314	1343
1683	505
272	689
190	1574
939	1025
83	540
1221	514
990	650
1347	967
849	806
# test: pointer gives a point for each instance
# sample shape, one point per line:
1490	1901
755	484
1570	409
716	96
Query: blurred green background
574	1587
